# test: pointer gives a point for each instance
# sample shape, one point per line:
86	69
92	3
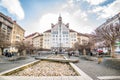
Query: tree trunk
79	51
2	50
109	50
20	52
84	51
24	52
113	50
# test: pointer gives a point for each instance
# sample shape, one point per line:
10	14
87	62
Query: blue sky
37	15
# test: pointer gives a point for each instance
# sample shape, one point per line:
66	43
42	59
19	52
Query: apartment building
17	33
12	31
29	39
6	26
38	41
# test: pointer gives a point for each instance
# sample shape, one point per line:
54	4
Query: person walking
69	54
100	52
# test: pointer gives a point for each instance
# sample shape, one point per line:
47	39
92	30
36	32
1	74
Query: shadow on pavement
112	63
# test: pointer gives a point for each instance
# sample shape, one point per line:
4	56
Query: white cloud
71	13
46	20
81	15
14	7
73	8
76	23
95	2
107	11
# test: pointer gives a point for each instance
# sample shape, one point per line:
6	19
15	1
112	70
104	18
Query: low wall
11	71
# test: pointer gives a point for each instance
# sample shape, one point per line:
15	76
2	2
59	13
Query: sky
83	16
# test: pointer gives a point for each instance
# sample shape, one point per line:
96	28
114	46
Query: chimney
15	21
67	25
52	25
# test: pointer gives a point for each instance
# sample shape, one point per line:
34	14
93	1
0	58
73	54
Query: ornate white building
60	37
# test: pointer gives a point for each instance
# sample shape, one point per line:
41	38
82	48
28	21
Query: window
55	32
65	32
53	35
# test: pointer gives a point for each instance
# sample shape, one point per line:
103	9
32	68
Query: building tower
60	34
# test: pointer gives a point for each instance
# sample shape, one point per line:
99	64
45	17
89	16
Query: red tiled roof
6	17
37	36
79	34
48	31
72	30
31	35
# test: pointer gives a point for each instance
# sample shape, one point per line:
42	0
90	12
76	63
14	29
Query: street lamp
84	46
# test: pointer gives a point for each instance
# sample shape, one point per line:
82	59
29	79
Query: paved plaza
107	70
95	70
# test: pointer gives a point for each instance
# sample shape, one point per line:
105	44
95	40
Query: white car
117	50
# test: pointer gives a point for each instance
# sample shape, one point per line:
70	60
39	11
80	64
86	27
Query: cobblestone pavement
94	70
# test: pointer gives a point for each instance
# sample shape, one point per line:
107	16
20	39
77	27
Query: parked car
117	51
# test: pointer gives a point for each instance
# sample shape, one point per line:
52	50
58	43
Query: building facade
60	37
17	36
38	41
47	39
83	38
11	31
29	39
6	26
17	33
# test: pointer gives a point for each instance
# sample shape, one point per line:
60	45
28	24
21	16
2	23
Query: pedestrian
69	54
99	59
39	54
6	53
100	52
91	54
73	53
56	53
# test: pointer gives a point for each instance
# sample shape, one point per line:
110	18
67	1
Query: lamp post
84	47
60	39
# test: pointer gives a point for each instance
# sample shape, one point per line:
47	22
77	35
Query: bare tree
24	46
109	34
84	46
91	43
21	47
76	45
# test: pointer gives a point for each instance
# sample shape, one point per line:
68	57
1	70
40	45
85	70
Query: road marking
108	77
